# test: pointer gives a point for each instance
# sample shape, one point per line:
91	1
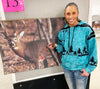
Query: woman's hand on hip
84	73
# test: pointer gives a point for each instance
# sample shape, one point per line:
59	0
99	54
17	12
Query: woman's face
71	15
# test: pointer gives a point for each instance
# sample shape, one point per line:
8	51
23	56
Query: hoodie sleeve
92	51
59	47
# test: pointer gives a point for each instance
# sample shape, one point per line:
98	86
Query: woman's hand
52	45
84	73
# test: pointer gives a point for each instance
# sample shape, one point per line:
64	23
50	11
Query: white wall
2	16
95	7
95	15
95	75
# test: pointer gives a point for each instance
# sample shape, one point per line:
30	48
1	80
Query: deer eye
15	39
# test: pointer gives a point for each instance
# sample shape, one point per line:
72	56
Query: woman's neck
72	25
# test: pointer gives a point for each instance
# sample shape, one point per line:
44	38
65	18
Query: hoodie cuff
90	68
59	48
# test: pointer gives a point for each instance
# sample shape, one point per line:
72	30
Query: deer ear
21	34
3	35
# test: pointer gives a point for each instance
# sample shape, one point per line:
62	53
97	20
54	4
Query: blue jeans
74	79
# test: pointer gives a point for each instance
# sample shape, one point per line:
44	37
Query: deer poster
23	44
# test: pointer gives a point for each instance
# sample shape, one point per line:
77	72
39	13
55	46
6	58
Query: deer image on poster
24	44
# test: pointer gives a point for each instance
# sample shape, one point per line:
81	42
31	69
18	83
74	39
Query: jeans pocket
78	75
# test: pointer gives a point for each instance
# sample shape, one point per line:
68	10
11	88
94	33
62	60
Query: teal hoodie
78	47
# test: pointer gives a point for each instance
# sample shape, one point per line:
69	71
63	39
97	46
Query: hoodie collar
79	24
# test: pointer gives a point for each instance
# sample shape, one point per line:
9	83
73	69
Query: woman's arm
92	51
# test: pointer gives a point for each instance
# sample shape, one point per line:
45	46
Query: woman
77	43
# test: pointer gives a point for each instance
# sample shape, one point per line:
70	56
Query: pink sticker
13	5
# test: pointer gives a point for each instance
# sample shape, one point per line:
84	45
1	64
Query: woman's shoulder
64	28
86	26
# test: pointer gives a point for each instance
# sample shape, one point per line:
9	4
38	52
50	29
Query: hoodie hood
80	23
